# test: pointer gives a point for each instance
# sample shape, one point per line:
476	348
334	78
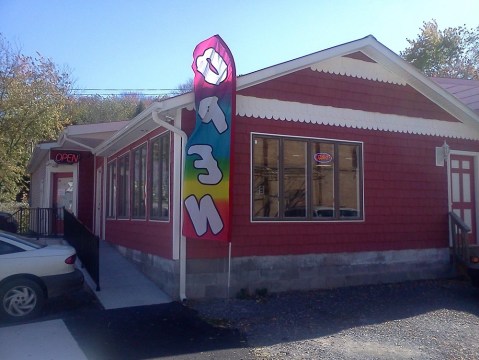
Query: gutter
182	239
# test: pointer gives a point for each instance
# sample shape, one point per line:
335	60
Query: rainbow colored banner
207	176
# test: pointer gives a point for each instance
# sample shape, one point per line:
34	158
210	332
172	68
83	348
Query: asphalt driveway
166	331
147	332
414	320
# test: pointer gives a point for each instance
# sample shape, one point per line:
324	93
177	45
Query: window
123	186
160	177
6	248
111	194
306	179
139	183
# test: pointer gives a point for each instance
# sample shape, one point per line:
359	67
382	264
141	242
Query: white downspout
182	239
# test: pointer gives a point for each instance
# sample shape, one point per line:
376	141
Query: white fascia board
422	83
303	62
47	146
135	123
368	45
383	56
38	153
170	104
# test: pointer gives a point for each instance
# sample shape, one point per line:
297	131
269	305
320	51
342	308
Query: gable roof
466	91
76	138
371	50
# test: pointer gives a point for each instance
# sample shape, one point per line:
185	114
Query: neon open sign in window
67	158
323	158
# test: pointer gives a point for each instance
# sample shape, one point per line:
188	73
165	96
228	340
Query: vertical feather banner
207	177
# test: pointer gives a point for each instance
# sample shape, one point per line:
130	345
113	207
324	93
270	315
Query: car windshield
21	239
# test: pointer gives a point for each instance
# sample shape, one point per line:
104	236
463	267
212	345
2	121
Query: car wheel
21	299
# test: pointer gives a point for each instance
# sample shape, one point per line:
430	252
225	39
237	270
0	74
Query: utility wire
109	91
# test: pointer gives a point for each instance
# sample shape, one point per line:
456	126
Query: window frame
139	164
7	248
123	204
111	195
309	152
160	140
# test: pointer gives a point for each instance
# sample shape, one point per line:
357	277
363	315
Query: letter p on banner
208	159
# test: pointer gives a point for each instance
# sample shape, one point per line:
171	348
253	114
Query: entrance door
462	191
62	197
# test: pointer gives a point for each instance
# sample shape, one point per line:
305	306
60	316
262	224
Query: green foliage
452	52
97	109
34	106
12	207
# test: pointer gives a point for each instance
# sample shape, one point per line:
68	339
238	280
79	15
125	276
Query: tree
34	106
453	52
183	88
96	109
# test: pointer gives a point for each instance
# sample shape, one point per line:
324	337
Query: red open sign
67	158
323	158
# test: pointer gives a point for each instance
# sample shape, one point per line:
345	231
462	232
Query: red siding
405	193
405	197
319	88
360	56
86	174
153	237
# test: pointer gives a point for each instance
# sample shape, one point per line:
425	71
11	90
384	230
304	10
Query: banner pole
229	269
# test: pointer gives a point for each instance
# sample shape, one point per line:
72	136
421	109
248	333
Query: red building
346	165
63	172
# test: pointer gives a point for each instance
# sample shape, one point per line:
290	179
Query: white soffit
359	69
327	115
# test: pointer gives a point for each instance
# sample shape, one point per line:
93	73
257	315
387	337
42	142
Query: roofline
71	130
368	45
177	102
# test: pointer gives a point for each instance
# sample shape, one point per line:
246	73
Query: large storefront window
123	186
160	178
265	177
293	180
306	179
139	183
111	194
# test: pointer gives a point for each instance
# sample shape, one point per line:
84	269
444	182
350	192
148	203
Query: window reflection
306	179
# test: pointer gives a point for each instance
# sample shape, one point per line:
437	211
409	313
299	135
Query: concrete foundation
209	278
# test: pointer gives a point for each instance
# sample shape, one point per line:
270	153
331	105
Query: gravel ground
413	320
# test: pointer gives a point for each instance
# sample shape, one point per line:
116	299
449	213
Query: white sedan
30	273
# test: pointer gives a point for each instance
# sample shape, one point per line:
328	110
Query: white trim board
358	119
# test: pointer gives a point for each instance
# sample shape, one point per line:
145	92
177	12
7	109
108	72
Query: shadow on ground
144	332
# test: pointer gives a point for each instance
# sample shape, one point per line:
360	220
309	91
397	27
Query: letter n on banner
208	158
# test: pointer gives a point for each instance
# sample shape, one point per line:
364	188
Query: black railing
86	245
460	241
39	222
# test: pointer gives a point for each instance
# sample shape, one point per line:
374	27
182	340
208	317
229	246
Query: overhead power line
115	92
111	89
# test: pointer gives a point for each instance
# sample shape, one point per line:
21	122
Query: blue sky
148	44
